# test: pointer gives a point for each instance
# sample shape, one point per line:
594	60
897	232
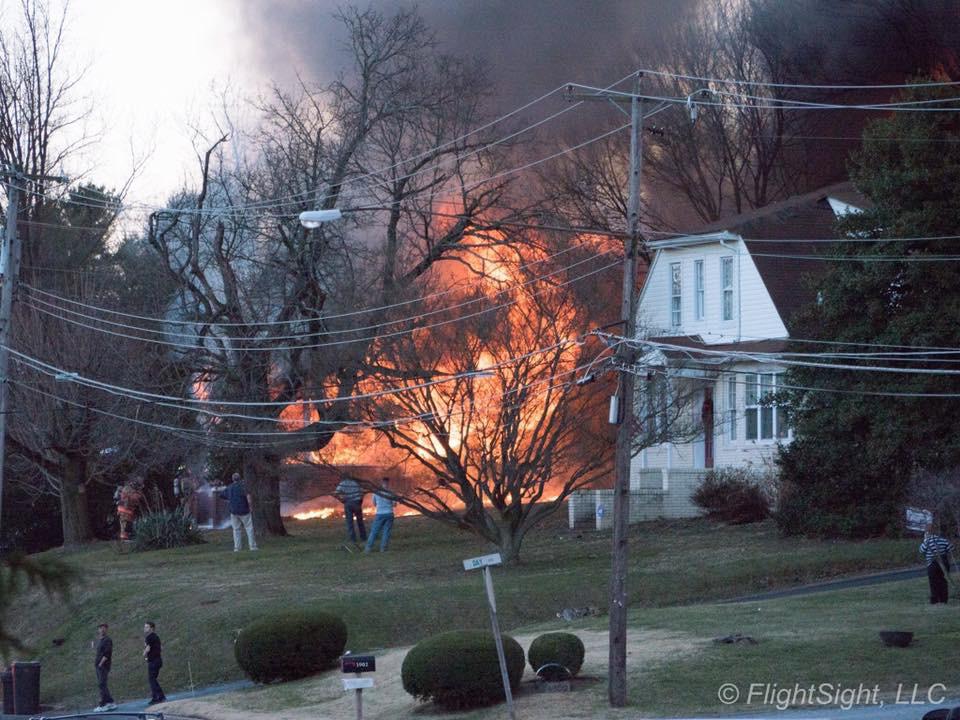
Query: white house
733	287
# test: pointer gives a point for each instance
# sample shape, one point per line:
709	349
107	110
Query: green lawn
825	638
199	596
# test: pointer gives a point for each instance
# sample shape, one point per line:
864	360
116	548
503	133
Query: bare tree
738	153
505	433
66	436
279	309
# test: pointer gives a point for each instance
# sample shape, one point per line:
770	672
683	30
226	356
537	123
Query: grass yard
823	638
200	596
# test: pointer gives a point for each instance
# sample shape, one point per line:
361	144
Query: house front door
706	415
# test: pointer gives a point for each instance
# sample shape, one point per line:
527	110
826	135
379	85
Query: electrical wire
337	316
333	343
799	86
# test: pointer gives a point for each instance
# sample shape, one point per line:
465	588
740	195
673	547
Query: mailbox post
358	664
485	562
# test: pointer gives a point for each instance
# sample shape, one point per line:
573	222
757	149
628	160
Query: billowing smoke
531	46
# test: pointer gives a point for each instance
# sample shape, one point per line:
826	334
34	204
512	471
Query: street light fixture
315	218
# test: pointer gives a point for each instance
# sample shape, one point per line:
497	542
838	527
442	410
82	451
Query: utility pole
623	412
10	260
10	268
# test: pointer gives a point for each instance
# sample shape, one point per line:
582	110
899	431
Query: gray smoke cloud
530	46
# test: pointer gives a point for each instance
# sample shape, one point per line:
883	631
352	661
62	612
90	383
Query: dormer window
676	298
726	283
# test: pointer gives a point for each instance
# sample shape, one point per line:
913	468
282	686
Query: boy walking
239	499
101	663
383	521
152	654
936	550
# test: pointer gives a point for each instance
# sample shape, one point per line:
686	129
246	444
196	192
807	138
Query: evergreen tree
856	447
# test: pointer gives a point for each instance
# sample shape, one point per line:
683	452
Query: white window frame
676	295
726	286
699	306
764	422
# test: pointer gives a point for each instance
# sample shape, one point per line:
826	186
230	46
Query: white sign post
358	664
485	562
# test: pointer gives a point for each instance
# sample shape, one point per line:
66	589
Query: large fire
497	272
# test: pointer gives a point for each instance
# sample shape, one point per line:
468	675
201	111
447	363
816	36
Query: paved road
841	584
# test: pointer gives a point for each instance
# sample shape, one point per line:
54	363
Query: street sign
357	683
482	562
485	562
358	663
918	519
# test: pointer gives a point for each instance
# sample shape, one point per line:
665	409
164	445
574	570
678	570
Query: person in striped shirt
936	550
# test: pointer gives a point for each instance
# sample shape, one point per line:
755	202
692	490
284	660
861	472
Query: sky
152	72
157	71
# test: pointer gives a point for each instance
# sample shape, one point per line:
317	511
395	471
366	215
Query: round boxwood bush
290	645
459	669
557	648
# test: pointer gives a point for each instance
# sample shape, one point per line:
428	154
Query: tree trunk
261	473
74	511
510	541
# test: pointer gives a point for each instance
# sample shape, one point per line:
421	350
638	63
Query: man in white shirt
383	521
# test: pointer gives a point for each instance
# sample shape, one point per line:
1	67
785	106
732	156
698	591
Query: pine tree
856	448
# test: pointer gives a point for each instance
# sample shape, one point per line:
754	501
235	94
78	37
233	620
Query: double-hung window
726	284
698	294
676	298
765	421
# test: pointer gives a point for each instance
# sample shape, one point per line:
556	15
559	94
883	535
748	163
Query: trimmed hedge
562	648
459	669
165	529
290	645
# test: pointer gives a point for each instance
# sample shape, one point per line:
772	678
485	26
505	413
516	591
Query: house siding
754	316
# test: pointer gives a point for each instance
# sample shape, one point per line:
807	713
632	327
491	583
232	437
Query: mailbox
359	663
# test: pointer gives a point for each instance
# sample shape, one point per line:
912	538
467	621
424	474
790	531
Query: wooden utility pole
624	415
10	260
617	688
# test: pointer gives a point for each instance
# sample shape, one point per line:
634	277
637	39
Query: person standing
383	520
102	660
154	657
349	492
936	550
239	499
128	499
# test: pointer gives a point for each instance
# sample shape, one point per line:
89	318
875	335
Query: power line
55	371
799	86
266	323
333	343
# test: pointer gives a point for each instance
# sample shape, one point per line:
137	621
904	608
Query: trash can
26	688
6	677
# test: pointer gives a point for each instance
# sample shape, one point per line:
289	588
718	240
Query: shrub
459	669
562	648
165	529
291	645
734	495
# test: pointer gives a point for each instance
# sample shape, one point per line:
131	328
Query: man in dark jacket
104	656
152	654
239	499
